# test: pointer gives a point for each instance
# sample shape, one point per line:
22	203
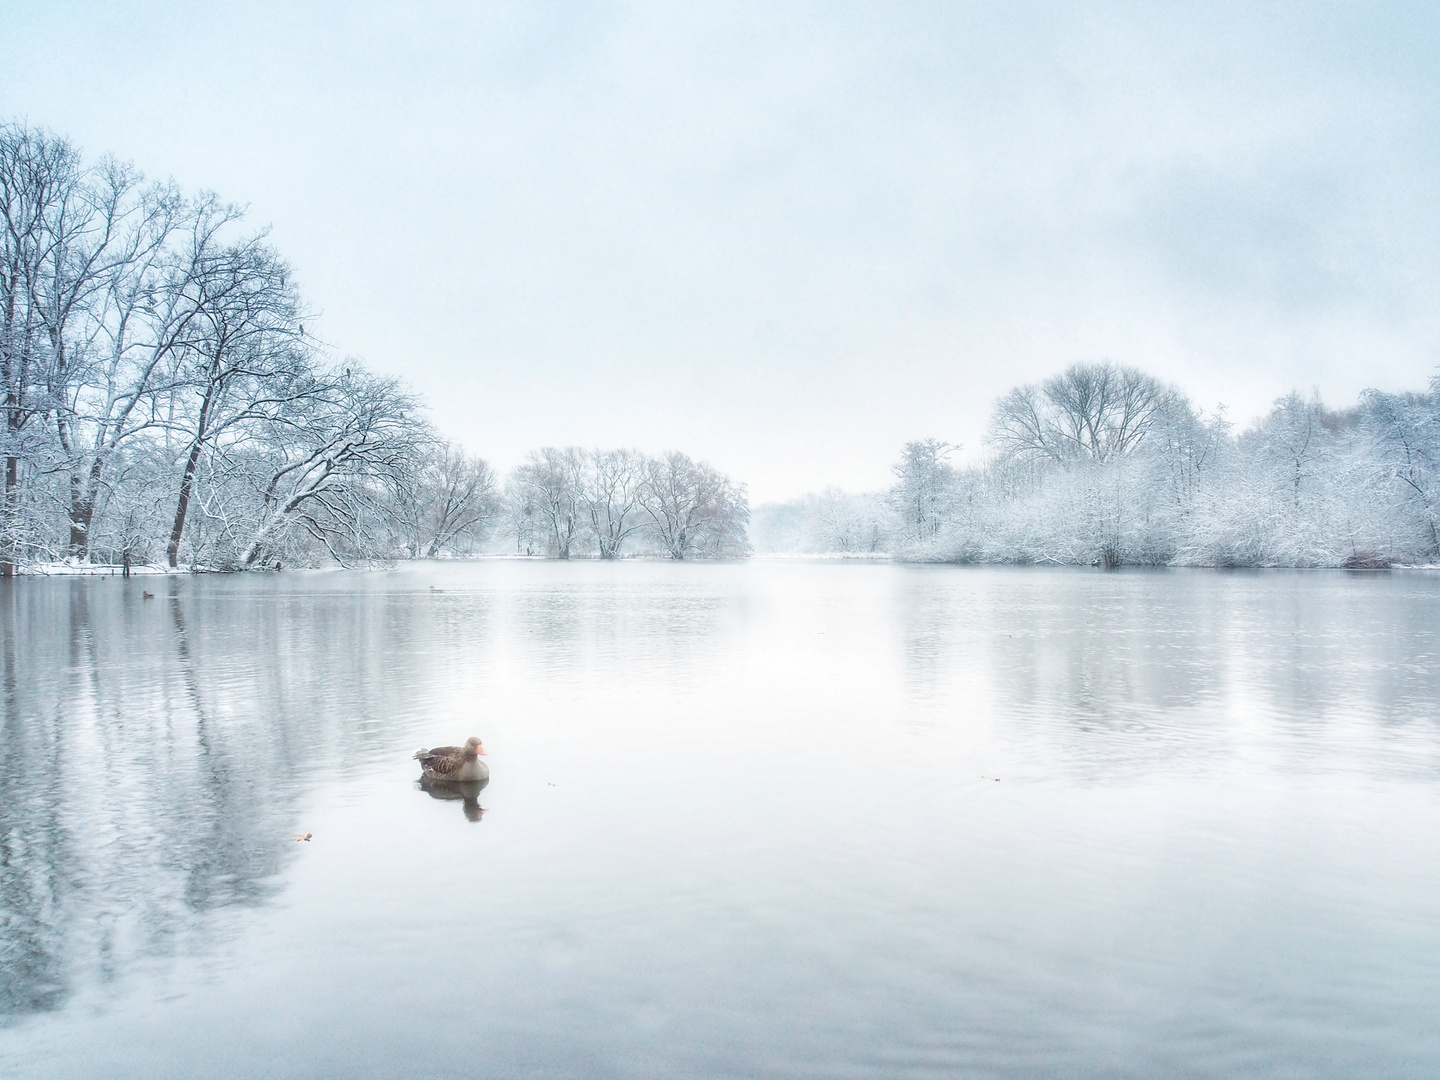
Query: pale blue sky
789	237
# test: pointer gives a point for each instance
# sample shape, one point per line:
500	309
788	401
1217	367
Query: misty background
792	240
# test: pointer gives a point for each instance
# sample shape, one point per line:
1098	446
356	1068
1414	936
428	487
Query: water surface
743	821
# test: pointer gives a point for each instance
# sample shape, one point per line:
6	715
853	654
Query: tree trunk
187	485
82	511
7	543
257	547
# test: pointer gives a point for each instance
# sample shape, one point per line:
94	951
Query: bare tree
1021	426
247	355
521	515
836	521
138	341
614	482
693	509
1092	412
455	496
40	177
1405	432
333	452
552	482
133	324
94	243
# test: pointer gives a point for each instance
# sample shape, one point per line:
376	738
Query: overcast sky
787	238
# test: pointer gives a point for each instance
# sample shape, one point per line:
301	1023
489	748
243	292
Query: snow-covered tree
552	483
1404	431
612	494
693	509
1094	412
924	495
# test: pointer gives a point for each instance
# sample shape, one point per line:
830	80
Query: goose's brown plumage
460	764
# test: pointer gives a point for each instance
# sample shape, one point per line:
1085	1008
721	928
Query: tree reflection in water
151	759
1111	676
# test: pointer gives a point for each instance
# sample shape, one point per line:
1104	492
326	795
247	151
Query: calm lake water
740	823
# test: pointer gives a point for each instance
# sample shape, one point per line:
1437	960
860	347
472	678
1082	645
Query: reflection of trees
221	857
32	844
153	754
1074	659
658	623
1138	673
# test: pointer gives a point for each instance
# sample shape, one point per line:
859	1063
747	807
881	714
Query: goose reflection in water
466	790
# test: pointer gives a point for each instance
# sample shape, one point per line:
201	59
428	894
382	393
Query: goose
455	763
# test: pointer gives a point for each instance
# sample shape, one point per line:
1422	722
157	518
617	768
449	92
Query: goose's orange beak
481	751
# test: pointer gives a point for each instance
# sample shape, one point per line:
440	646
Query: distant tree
1188	449
777	528
693	509
1292	441
132	512
455	497
1022	426
925	492
552	482
520	515
1092	412
836	521
1404	430
611	495
49	251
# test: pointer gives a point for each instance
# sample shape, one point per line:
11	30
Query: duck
459	764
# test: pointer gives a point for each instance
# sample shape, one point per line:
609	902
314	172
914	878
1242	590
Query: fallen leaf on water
550	782
995	778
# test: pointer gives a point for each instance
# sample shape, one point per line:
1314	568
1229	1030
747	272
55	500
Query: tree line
164	401
563	502
1104	464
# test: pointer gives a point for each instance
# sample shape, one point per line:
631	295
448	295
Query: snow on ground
72	567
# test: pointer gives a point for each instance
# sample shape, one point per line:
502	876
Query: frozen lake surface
739	823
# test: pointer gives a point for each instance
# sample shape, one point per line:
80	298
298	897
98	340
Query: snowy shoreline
66	569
